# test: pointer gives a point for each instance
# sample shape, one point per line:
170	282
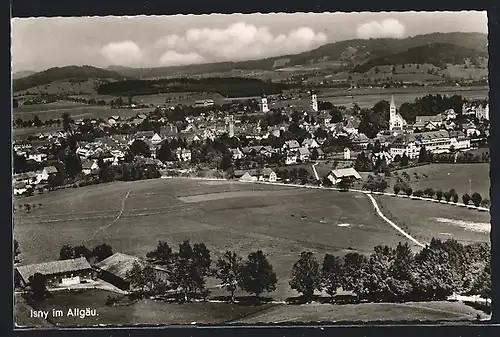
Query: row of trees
97	254
388	274
189	267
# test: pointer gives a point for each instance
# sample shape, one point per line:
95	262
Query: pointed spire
392	101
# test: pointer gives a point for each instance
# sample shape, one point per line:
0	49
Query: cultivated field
282	221
75	110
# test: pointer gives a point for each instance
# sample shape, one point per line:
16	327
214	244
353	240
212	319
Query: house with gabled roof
310	143
336	175
269	175
60	273
303	154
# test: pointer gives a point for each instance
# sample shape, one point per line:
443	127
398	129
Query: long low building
57	273
435	141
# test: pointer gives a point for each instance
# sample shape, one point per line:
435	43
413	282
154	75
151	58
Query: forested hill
64	73
438	54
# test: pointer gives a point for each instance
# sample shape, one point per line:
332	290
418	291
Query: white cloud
239	41
390	28
122	53
173	58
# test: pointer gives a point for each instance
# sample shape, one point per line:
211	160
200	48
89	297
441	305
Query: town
244	173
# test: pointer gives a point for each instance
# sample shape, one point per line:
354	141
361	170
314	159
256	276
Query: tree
476	199
15	103
162	255
82	251
429	192
188	270
201	258
228	271
353	274
466	199
139	148
454	197
423	156
396	188
363	163
408	191
66	253
447	196
306	276
17	251
331	274
404	160
345	184
439	195
38	289
257	275
141	277
102	251
314	154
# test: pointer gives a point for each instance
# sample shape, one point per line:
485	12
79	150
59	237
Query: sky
154	41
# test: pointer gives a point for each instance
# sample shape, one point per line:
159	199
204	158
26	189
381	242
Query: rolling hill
438	54
348	53
70	73
21	74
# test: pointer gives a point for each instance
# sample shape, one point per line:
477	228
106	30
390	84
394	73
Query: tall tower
314	101
231	126
393	120
264	107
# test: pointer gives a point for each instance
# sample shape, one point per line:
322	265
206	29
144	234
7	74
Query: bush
418	193
429	192
455	198
447	196
466	199
485	203
396	189
111	300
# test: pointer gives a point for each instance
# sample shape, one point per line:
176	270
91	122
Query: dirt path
115	220
380	214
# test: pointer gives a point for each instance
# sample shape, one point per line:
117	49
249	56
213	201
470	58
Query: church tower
314	101
264	107
394	118
231	126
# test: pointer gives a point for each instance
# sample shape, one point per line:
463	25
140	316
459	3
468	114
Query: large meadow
282	221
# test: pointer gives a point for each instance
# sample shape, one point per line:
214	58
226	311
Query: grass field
156	312
75	110
448	176
25	132
424	220
282	221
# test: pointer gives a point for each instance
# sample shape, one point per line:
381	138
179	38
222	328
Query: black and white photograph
244	169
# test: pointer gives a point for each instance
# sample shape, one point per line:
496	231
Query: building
483	112
310	144
428	123
231	126
247	177
60	273
264	107
269	175
183	154
303	154
89	167
44	174
314	101
336	176
114	269
347	154
434	141
204	103
396	121
291	145
236	153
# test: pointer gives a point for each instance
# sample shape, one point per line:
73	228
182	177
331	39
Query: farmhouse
184	154
310	144
58	273
335	176
44	174
114	269
291	145
303	154
269	175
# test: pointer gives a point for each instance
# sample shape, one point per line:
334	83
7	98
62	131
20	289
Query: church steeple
392	101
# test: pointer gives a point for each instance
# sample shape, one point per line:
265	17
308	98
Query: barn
60	273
